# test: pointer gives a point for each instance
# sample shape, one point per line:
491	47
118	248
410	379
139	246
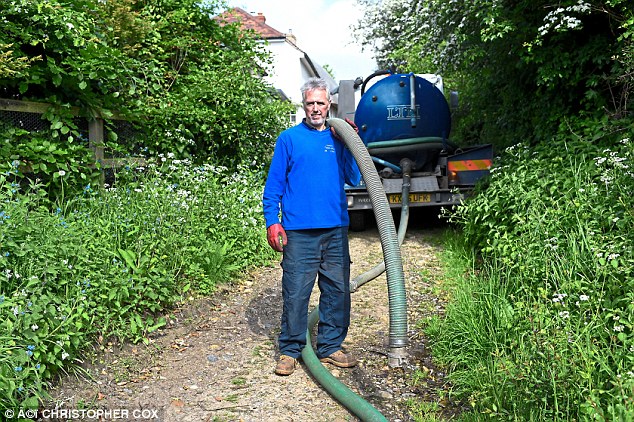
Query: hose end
396	357
354	285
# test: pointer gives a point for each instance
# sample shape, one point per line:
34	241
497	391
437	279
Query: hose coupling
354	285
396	357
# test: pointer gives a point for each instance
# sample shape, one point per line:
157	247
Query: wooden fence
27	115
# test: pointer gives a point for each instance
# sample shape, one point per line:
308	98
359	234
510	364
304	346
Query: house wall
287	72
290	70
291	66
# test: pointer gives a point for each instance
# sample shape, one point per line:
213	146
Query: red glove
276	236
350	122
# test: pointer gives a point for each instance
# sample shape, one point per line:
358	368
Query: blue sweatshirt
306	179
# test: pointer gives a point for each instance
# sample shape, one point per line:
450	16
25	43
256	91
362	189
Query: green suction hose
387	232
395	279
360	280
353	402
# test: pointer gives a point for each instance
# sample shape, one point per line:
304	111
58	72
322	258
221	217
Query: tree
519	66
192	84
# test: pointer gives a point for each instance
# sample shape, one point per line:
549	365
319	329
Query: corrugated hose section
387	232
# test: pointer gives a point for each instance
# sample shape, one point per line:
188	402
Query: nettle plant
211	211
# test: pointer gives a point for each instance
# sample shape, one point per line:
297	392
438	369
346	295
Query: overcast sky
322	29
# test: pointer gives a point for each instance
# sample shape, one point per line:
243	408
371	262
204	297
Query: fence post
96	133
95	142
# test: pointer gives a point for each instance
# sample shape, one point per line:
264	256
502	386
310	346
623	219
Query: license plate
396	198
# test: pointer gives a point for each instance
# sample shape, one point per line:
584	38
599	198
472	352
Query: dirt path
215	361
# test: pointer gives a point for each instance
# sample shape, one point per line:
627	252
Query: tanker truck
404	120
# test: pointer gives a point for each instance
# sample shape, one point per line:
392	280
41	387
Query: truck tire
357	221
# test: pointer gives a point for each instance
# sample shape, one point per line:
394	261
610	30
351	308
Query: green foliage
191	83
111	262
50	160
75	66
224	120
11	66
330	70
518	66
193	206
210	101
542	328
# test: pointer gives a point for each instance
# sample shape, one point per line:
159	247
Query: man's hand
350	122
276	236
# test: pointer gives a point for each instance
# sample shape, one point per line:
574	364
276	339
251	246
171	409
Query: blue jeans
310	254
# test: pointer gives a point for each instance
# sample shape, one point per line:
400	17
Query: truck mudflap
467	167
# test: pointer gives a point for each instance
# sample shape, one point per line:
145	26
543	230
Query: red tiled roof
256	23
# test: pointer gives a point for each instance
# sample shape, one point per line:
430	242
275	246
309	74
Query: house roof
256	23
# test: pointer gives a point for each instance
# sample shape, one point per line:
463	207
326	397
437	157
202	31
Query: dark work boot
340	359
286	365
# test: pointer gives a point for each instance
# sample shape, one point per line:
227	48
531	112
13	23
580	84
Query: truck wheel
357	221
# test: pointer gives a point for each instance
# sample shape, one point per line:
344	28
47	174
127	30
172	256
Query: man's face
316	106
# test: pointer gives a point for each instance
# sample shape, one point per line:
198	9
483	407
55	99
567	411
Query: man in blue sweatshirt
305	185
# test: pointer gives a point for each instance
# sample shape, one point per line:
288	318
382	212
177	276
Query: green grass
539	324
239	382
422	411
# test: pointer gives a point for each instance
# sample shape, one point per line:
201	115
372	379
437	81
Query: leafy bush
543	329
111	262
192	84
64	59
49	160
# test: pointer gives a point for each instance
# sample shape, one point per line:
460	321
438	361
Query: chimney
260	17
290	37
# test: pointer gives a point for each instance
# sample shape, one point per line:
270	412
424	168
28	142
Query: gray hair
313	84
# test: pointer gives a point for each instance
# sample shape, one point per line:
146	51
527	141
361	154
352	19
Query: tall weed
542	328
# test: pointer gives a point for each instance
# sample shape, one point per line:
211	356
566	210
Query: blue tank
397	120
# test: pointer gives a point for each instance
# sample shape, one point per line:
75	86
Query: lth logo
402	112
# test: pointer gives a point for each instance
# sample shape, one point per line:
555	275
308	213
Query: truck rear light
453	177
350	199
